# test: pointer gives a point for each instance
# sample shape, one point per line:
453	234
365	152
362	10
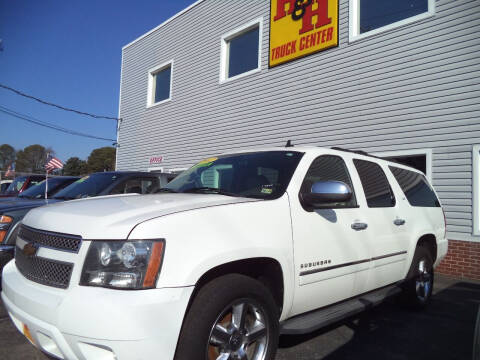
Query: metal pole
46	178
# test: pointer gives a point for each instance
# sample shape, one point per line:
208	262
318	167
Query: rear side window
328	167
415	187
375	184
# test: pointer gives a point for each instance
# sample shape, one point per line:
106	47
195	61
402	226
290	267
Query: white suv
235	251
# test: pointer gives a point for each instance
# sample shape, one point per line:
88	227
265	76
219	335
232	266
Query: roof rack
359	152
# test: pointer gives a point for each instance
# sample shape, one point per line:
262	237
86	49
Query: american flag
10	170
53	163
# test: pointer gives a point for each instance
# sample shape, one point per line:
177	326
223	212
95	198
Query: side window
375	184
328	167
415	187
135	186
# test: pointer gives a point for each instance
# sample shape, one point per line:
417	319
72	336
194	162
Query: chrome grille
43	271
52	240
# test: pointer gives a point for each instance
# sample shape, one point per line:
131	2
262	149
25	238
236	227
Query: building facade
400	81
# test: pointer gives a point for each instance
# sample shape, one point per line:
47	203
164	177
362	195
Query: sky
69	53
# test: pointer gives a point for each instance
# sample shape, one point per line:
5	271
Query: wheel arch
429	241
264	269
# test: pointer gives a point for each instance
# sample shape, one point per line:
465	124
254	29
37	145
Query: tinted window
162	84
16	185
375	184
375	14
243	52
136	186
87	186
415	187
38	191
263	175
328	167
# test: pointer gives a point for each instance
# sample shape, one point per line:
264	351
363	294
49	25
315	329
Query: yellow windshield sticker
206	162
266	190
82	179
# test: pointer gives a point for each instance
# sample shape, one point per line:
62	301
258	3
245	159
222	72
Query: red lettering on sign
281	8
329	33
321	12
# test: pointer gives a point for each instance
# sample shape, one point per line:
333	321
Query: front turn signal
5	222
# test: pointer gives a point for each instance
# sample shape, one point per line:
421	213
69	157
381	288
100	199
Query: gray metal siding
412	87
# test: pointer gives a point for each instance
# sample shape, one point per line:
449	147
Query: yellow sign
301	27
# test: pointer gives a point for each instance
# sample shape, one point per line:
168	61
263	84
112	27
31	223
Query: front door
330	245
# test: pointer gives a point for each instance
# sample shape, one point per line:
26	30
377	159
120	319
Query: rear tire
231	317
418	286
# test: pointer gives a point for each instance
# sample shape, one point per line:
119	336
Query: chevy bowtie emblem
30	249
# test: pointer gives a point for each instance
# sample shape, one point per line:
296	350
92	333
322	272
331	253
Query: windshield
263	175
16	185
87	186
38	191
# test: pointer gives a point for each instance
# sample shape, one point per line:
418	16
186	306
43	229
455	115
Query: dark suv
97	184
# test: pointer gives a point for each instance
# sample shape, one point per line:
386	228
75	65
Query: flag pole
46	177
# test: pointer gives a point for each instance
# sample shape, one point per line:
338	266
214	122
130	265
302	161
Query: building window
476	190
241	51
160	84
369	17
420	159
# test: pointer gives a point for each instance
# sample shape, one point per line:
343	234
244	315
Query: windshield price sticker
301	27
206	162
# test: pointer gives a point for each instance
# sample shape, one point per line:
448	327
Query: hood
113	217
19	203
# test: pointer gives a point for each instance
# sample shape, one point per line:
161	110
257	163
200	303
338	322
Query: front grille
52	240
43	271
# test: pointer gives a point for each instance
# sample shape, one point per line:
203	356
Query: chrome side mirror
325	193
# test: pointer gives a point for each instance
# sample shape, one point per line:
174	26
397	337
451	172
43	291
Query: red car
22	183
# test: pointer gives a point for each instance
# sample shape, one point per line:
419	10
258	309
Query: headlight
5	222
123	264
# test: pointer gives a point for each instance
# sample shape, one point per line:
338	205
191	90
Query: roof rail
359	152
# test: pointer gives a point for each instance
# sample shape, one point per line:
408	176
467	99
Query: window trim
413	152
476	190
258	22
354	21
151	76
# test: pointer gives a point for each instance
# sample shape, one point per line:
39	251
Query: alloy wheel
239	333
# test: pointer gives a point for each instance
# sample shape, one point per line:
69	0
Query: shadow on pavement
445	330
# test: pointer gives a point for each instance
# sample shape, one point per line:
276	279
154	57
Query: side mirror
325	193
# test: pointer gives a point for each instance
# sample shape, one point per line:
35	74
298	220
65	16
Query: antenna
289	143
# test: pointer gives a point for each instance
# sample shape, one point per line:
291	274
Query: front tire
419	284
233	317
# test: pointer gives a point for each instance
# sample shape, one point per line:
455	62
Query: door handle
359	226
399	222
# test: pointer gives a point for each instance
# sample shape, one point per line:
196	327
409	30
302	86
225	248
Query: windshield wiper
210	190
167	190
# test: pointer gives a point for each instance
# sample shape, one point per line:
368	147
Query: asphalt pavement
444	330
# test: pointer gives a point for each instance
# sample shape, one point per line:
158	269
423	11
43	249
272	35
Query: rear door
388	240
331	257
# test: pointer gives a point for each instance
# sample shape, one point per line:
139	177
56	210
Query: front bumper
7	253
96	323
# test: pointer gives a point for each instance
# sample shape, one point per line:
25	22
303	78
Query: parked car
4	184
22	183
13	209
236	250
97	184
